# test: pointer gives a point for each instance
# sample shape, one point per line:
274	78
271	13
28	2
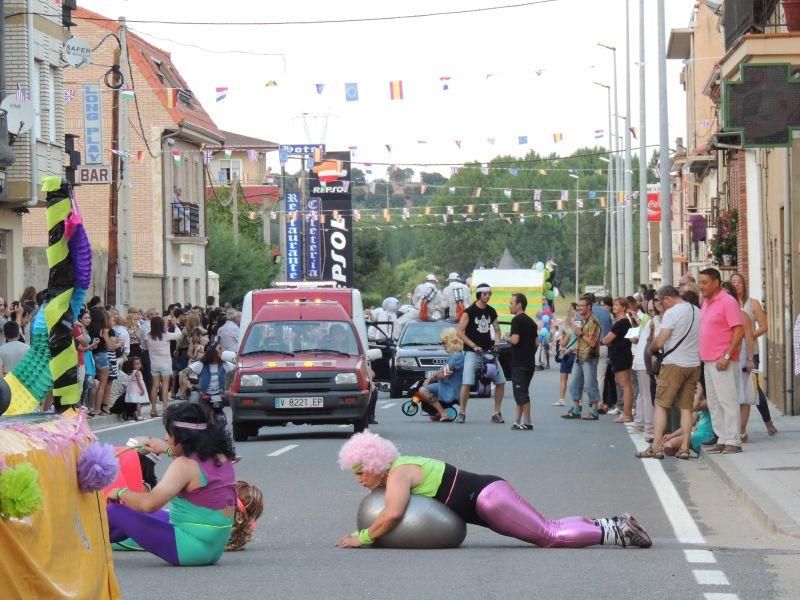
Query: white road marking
700	556
718	596
710	577
389	405
124	425
283	450
686	530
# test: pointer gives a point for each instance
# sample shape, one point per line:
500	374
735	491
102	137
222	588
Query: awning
680	44
700	163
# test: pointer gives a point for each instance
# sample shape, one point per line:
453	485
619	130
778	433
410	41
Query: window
36	95
51	104
228	169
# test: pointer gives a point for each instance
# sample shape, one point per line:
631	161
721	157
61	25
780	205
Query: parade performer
52	361
485	500
200	484
427	299
456	296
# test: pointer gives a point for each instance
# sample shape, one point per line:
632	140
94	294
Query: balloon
539	314
539	266
546	318
426	523
549	295
547	274
547	310
548	285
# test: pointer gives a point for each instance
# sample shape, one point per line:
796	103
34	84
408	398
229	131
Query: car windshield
423	334
292	337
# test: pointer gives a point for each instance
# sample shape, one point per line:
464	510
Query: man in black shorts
523	350
475	331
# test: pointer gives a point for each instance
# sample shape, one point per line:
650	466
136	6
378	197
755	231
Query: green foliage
726	240
241	268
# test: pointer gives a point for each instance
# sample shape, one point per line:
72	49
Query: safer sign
93	123
94	174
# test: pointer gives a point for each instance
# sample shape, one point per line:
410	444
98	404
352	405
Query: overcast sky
540	60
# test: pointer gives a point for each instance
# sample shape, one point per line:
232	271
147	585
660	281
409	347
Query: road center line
710	577
389	405
684	526
718	596
283	450
700	556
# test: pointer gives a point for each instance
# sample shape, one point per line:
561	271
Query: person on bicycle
445	385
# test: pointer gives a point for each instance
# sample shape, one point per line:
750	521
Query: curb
772	516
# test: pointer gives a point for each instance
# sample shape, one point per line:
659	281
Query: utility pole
628	289
644	228
112	272
235	207
663	122
611	230
577	179
125	249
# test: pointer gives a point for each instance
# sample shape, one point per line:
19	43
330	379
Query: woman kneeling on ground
200	485
445	385
485	500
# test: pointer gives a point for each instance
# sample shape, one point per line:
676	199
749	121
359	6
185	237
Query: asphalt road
562	467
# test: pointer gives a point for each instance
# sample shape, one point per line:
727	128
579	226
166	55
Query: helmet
391	304
453	277
431	277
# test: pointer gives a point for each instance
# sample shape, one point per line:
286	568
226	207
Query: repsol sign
340	253
340	187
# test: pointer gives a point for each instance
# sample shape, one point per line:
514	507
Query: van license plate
301	402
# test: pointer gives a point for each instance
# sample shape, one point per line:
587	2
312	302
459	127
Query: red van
303	359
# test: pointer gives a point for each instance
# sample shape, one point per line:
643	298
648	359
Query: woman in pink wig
485	500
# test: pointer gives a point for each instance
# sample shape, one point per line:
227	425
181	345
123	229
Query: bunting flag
139	155
396	90
507	192
228	152
386	215
513	171
495	208
542	171
252	156
222	92
368	168
522	218
389	148
596	213
371	186
172	97
451	189
592	194
445	84
484	170
537	206
579	203
351	92
564	195
406	213
449	210
476	193
127	93
602	202
491	141
515	207
176	155
352	148
599	134
320	87
470	209
458	143
561	215
635	132
422	141
522	139
422	189
537	194
356	214
657	171
271	83
557	137
69	95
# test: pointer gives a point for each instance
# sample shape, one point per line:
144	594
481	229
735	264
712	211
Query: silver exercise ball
427	523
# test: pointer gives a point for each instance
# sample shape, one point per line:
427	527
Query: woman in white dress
160	360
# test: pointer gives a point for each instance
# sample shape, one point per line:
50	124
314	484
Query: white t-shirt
228	336
122	332
678	319
213	388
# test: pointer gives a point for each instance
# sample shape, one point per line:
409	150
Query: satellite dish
20	115
77	52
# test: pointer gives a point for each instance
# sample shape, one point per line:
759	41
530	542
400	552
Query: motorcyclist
456	297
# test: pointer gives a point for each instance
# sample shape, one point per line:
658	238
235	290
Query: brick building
166	172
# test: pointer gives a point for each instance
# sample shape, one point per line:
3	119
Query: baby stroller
489	367
411	407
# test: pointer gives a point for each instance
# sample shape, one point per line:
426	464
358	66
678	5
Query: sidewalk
766	476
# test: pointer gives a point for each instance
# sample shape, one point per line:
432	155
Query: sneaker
632	533
590	416
497	418
572	414
717	449
526	426
461	418
711	442
516	427
732	449
614	411
559	402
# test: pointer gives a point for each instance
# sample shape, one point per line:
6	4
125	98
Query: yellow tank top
432	473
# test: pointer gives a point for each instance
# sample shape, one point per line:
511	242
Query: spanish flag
557	137
396	90
172	97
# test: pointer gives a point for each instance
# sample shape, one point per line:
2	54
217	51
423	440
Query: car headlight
406	362
251	381
346	379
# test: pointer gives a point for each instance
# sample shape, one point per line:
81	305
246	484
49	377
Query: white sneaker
559	402
614	411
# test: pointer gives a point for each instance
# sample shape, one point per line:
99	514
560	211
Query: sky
525	71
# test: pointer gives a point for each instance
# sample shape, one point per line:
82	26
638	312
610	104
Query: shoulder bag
659	357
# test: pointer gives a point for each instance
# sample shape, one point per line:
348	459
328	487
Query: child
135	391
249	506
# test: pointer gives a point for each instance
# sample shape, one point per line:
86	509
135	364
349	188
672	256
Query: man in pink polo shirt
721	332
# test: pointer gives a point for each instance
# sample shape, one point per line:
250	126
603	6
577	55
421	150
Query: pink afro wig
369	450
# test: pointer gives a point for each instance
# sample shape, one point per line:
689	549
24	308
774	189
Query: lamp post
628	289
663	122
617	276
644	228
611	229
577	179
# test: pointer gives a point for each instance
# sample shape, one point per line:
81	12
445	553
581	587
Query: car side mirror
374	354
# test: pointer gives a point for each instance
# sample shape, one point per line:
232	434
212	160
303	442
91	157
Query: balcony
746	16
185	220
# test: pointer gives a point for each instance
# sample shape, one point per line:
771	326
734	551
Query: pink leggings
508	513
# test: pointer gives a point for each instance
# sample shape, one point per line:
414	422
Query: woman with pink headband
200	486
484	500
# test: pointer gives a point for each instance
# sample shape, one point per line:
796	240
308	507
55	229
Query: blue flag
320	87
351	92
523	139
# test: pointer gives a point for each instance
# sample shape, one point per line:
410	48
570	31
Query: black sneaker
526	426
516	427
461	418
712	442
572	415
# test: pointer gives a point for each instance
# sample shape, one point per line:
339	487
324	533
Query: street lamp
577	179
611	232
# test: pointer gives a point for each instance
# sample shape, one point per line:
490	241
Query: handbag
658	357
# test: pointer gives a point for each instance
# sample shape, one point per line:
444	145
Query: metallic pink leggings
508	513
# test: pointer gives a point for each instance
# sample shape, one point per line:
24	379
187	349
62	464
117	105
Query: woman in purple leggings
484	500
